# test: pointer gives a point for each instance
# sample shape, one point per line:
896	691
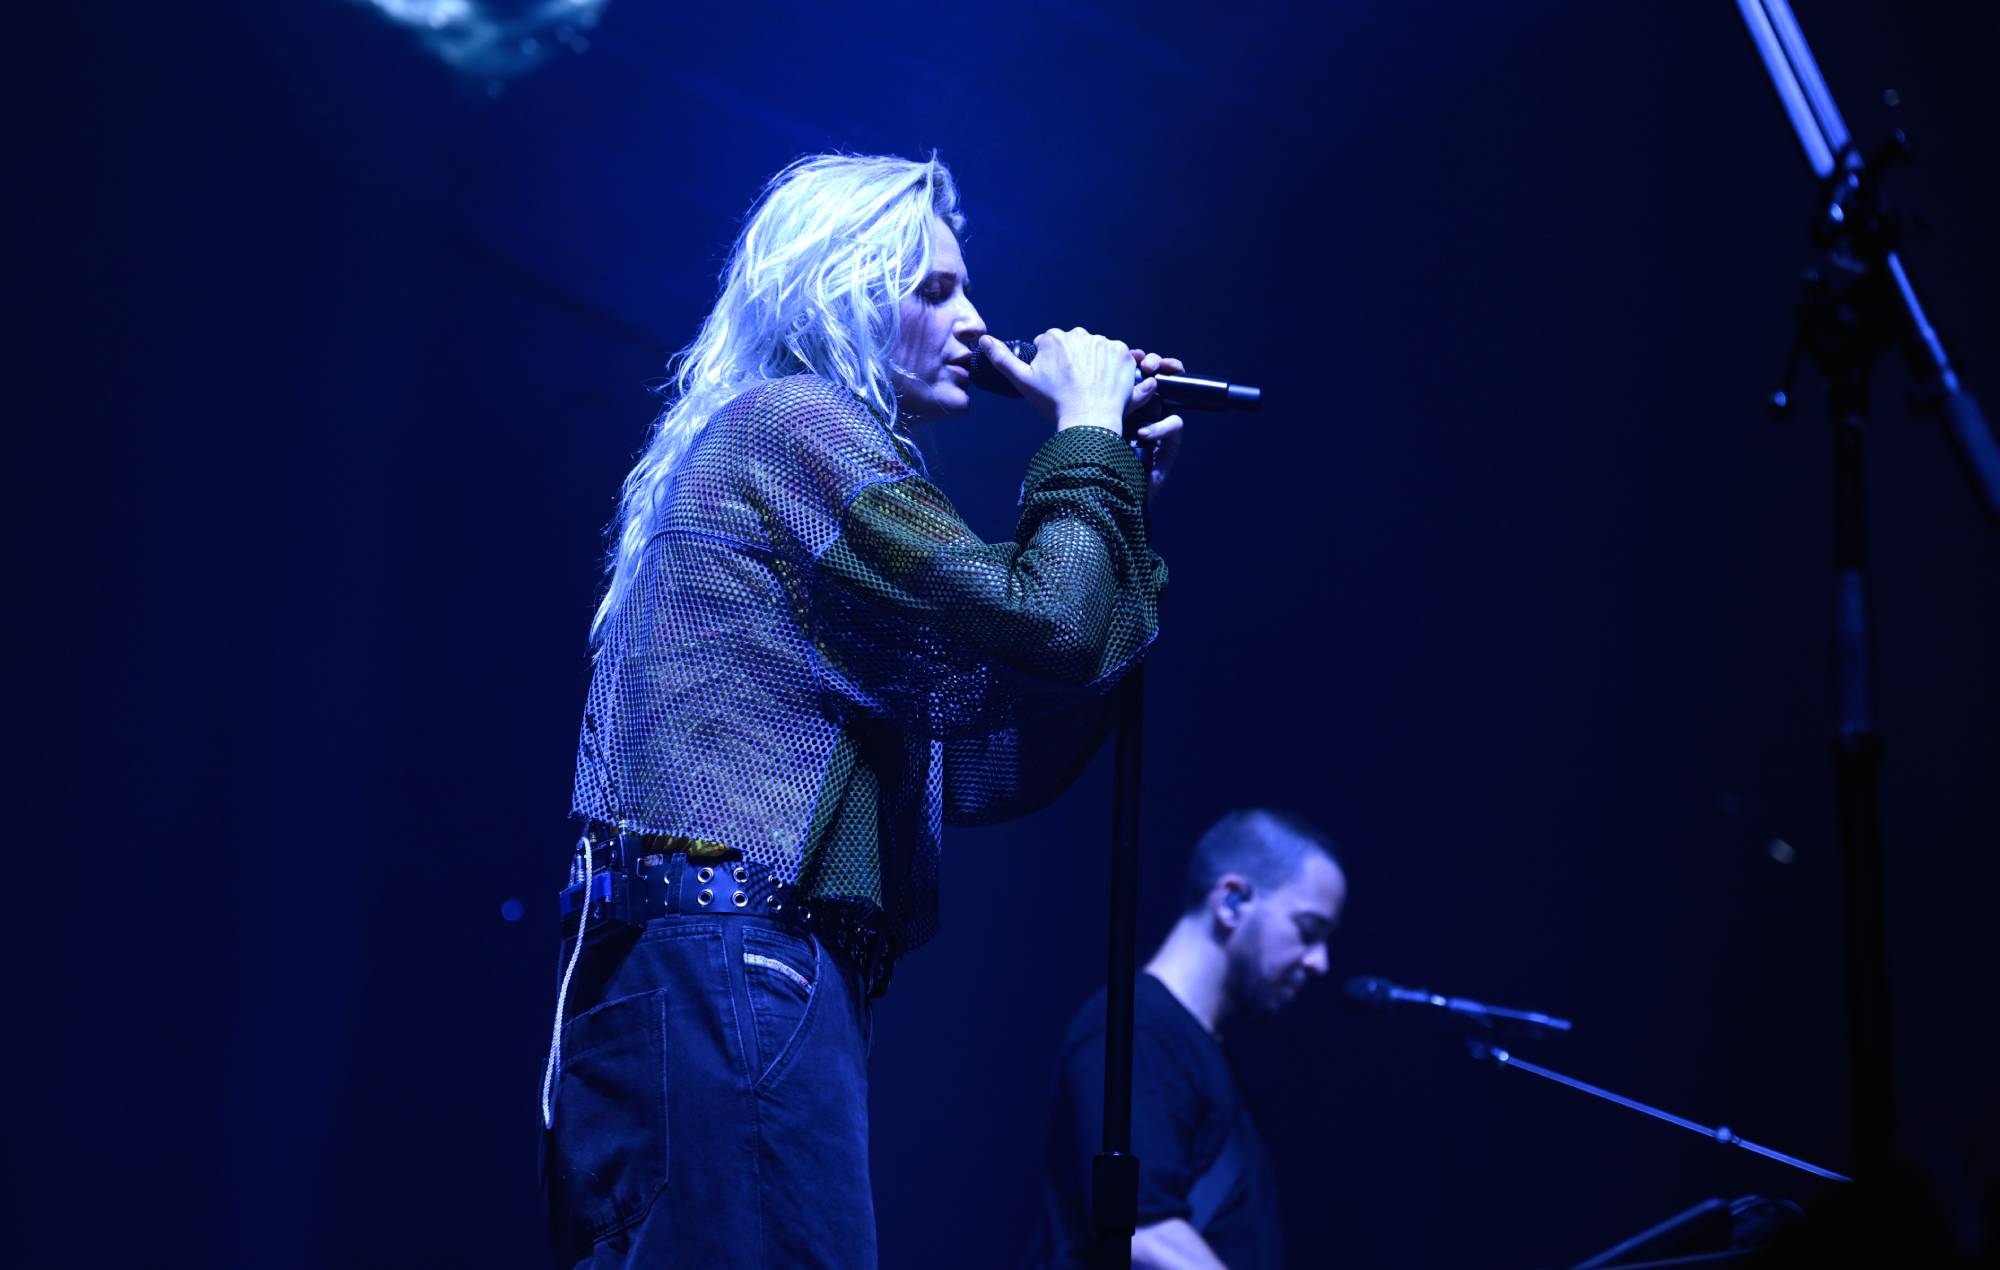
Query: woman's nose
970	325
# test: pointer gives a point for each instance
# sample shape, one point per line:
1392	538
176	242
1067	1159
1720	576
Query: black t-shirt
1185	1110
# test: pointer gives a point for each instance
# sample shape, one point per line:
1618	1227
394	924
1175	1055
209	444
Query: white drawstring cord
550	1072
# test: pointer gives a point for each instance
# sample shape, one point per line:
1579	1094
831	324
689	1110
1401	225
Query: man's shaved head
1268	848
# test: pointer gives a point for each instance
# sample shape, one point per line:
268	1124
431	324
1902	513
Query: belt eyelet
704	873
739	899
705	898
740	873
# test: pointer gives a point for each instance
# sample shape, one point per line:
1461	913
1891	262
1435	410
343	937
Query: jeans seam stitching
788	1052
604	1228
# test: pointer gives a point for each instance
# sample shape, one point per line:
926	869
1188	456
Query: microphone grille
989	377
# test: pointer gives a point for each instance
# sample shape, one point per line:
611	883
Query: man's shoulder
1157	1024
1087	1024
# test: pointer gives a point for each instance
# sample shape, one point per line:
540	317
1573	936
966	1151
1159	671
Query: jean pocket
609	1142
781	973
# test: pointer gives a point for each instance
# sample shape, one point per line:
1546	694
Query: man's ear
1232	892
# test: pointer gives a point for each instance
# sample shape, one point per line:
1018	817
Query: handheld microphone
1182	392
1382	995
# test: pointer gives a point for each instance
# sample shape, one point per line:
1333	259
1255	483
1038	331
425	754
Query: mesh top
818	663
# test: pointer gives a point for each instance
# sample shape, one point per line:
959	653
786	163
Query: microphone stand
1114	1171
1856	304
1482	1050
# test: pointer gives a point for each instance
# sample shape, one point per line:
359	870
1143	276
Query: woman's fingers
1161	436
1158	444
1154	364
1003	357
1086	378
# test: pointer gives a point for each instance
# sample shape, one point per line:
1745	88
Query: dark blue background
336	361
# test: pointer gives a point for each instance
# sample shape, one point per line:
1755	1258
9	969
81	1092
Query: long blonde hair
814	284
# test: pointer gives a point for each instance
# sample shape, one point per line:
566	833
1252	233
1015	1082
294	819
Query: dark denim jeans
713	1103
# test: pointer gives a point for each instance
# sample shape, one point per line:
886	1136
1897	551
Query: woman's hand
1161	434
1077	379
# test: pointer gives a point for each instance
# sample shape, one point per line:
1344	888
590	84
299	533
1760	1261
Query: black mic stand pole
1114	1172
1856	305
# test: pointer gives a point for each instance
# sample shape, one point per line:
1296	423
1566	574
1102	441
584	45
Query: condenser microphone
1380	994
1182	392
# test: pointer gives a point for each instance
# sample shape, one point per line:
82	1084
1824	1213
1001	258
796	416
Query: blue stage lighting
495	41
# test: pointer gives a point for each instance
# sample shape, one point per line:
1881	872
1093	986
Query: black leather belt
632	884
632	881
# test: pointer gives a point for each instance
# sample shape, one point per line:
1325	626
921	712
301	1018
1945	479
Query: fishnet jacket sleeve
914	618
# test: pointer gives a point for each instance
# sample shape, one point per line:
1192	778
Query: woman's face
933	356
